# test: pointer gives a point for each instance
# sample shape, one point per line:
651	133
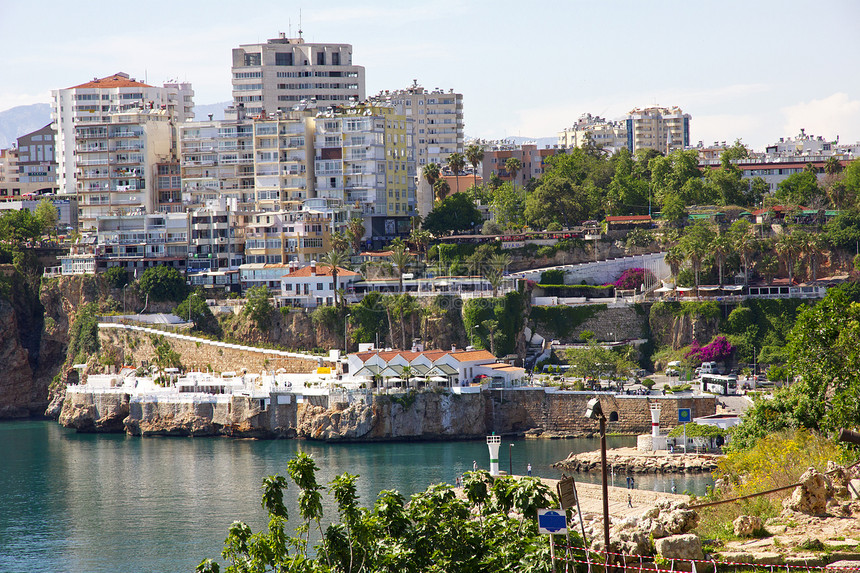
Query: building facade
284	72
437	120
37	163
660	128
92	104
531	157
611	135
363	158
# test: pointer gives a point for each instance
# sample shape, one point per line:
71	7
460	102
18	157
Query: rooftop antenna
300	22
290	26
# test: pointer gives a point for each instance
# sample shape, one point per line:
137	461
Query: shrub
552	277
717	350
117	277
632	279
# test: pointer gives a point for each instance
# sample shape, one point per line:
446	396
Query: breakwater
367	416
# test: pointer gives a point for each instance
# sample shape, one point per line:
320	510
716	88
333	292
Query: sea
109	503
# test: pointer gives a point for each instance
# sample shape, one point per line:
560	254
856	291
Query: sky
754	70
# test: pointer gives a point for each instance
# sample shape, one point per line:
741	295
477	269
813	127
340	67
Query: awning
732	288
684	289
665	289
709	288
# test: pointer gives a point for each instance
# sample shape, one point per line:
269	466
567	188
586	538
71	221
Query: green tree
431	173
401	258
455	214
48	215
721	247
746	244
627	193
507	206
674	210
258	307
201	315
787	248
354	232
441	190
513	166
20	227
116	277
696	244
163	283
799	189
474	155
558	200
334	260
456	163
494	270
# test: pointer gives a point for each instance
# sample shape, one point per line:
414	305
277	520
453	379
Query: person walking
529	469
629	501
632	482
474	465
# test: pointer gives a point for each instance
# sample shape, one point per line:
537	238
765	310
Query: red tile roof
468	355
118	80
319	271
627	218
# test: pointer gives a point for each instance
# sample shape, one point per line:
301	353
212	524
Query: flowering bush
717	350
632	279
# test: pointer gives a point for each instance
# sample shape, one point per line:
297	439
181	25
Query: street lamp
595	412
345	339
510	459
189	305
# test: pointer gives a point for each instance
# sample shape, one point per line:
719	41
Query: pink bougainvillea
632	279
717	350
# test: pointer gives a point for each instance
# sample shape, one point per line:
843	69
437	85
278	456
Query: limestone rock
747	525
687	546
810	497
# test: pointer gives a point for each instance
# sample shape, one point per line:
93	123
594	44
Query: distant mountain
21	120
201	112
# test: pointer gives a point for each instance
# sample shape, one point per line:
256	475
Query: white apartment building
92	103
362	157
115	162
283	72
611	135
215	238
313	285
661	128
217	161
287	236
437	120
283	164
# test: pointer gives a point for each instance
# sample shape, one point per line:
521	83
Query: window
335	59
252	59
319	286
284	59
320	58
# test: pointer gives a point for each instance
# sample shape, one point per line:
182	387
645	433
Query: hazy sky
754	70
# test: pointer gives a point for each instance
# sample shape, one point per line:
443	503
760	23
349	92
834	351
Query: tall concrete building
437	118
611	135
363	157
283	72
660	128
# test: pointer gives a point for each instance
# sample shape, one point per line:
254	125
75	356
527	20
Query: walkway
200	340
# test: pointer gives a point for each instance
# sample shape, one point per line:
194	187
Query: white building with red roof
458	369
90	105
313	285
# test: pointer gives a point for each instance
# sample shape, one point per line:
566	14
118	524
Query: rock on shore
629	460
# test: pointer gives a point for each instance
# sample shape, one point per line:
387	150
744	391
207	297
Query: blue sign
684	416
552	521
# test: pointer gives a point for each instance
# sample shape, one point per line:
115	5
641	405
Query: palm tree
474	155
513	166
441	189
456	163
721	246
354	232
495	272
431	173
421	239
334	260
746	244
674	258
786	247
696	245
491	326
832	166
400	257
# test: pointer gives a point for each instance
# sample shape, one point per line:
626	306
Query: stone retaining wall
136	345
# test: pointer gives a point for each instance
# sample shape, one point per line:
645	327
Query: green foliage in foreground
436	531
698	430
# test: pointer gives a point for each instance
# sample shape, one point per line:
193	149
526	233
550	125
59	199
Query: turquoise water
85	503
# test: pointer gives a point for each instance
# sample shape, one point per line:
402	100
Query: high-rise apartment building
660	128
363	157
286	71
92	103
611	135
115	163
437	118
283	160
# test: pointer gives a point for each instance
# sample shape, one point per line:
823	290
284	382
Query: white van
708	368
